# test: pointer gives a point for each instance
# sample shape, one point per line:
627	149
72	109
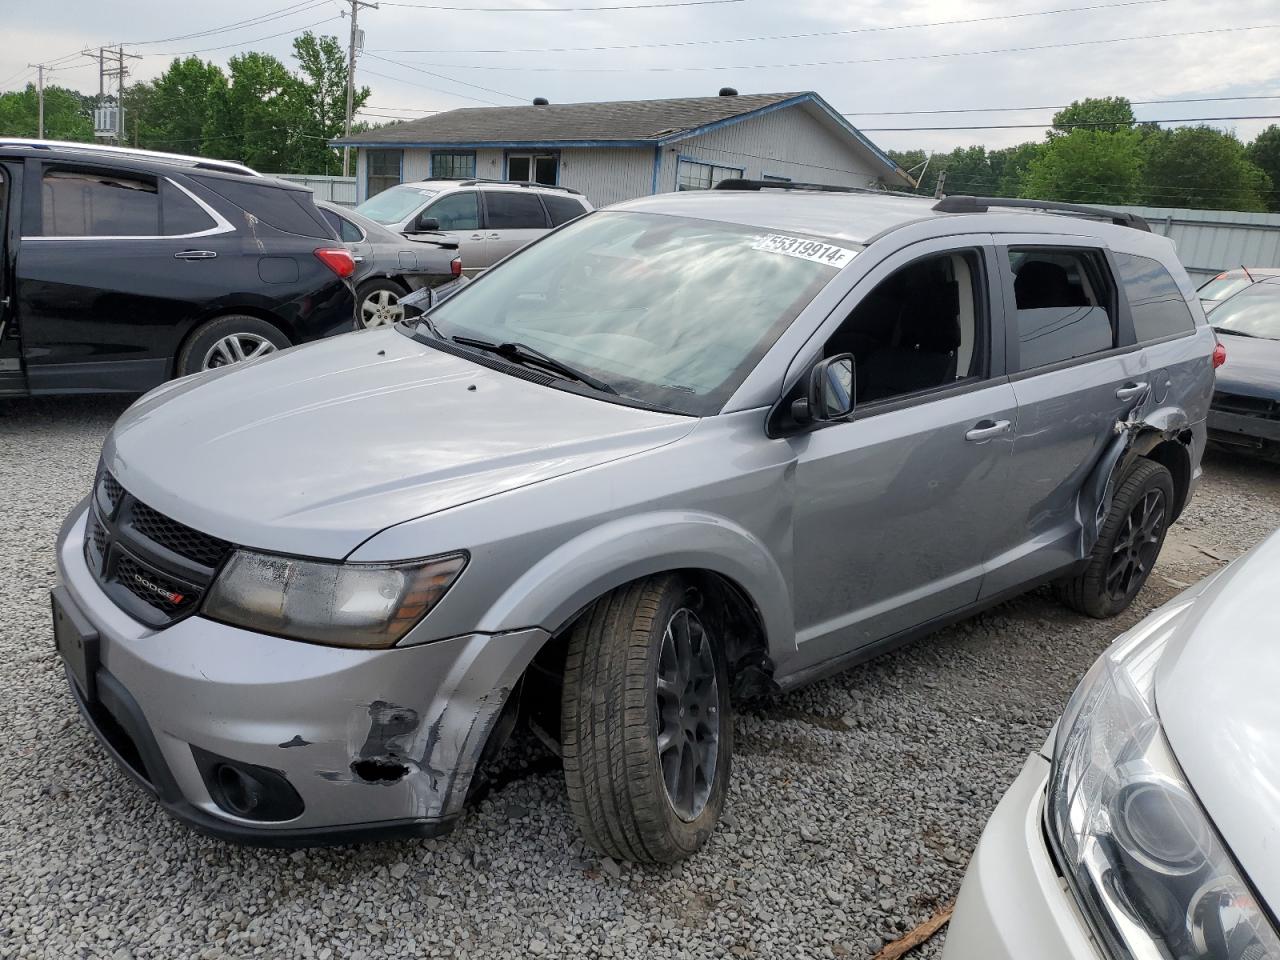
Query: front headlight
1141	855
344	604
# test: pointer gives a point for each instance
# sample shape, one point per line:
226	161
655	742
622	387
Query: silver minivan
489	219
693	447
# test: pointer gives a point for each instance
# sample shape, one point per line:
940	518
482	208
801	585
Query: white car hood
313	450
1218	696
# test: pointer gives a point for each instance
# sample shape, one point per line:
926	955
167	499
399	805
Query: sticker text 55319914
804	249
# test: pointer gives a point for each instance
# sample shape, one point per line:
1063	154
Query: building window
534	168
452	166
383	170
692	175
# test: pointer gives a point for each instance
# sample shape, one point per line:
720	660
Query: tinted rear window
1158	307
179	214
509	210
289	210
562	209
1062	299
99	203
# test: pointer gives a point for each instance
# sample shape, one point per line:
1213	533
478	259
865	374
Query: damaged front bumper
364	744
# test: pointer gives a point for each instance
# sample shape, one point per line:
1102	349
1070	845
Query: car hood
1216	696
1252	367
313	450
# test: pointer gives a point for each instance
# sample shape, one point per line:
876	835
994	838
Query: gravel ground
854	809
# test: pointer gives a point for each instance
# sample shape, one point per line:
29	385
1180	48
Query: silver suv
689	448
489	219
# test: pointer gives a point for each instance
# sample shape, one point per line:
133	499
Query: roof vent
541	101
728	92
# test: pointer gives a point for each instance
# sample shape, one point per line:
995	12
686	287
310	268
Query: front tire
646	722
1127	546
227	340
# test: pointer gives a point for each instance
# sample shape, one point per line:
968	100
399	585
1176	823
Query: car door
1075	372
13	380
892	508
513	218
113	262
459	215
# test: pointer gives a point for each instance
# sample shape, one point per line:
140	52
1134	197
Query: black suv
122	268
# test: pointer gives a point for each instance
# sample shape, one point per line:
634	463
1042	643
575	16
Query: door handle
494	236
986	429
195	255
477	236
1131	391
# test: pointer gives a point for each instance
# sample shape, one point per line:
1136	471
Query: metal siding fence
1210	241
334	189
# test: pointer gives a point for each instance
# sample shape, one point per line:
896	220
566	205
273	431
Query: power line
1091	123
1061	106
447	93
866	60
619	6
241	43
789	36
288	11
441	76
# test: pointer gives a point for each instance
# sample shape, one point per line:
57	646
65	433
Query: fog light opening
380	769
241	792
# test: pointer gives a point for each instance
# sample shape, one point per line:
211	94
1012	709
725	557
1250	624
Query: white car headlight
1138	850
367	605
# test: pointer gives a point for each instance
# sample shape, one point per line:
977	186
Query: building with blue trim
618	150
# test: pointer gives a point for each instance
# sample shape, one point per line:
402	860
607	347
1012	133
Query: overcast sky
910	77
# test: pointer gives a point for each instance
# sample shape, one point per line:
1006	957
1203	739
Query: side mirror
425	224
830	393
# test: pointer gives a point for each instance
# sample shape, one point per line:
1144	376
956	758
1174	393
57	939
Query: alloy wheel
380	308
1135	550
688	714
236	347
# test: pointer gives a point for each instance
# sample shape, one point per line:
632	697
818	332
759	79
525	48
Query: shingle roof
618	120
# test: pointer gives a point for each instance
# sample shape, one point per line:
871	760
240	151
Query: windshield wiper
523	353
1238	333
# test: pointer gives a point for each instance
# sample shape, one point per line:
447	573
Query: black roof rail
471	182
740	184
966	204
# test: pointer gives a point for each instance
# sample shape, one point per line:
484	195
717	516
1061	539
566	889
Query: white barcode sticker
805	249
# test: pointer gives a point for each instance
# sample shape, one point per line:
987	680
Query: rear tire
378	303
646	722
227	340
1127	546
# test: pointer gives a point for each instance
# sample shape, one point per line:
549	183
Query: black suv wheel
228	340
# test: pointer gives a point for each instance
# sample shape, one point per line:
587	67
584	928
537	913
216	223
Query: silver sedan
389	264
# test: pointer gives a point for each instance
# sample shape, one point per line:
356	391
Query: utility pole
39	99
111	64
351	78
942	184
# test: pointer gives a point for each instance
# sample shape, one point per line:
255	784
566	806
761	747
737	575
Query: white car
489	219
1149	825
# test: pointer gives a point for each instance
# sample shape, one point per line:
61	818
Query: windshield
668	311
1223	286
393	206
1251	313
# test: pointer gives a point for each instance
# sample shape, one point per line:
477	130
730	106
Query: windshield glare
1223	286
1254	312
393	205
668	311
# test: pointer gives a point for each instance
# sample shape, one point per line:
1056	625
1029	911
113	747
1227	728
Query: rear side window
289	210
99	203
179	214
509	210
1063	301
344	228
1158	307
562	209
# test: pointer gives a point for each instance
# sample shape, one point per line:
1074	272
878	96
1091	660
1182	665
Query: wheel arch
198	324
1172	450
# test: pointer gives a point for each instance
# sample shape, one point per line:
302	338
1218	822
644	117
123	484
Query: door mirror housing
830	391
426	224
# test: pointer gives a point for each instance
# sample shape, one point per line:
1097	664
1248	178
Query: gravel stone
892	767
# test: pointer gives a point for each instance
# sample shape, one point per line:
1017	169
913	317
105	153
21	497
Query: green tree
320	103
1103	114
1087	166
65	116
174	111
1204	168
1009	167
250	118
1264	153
